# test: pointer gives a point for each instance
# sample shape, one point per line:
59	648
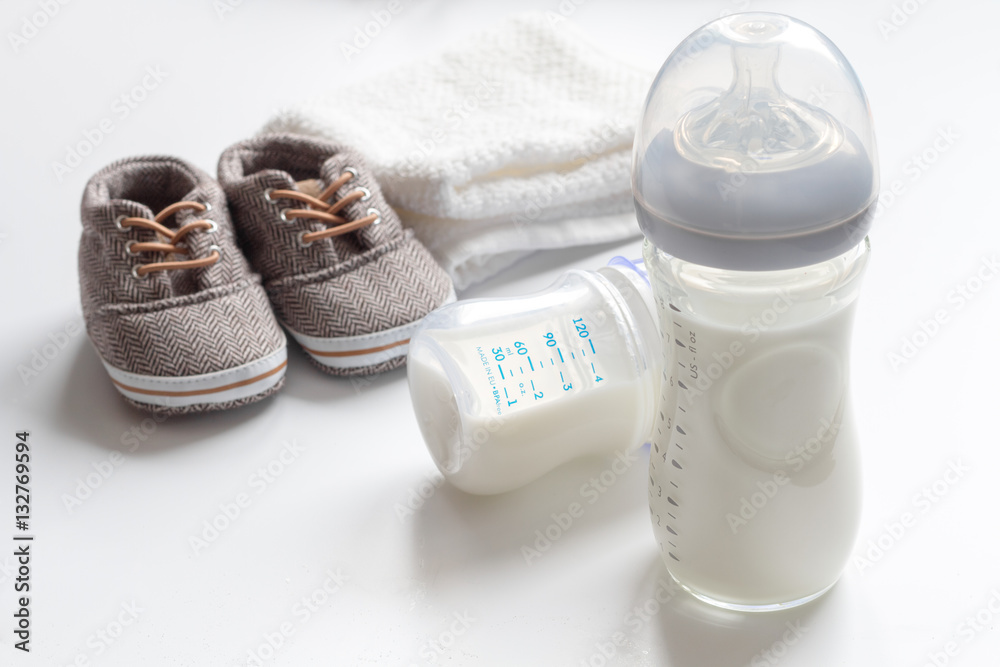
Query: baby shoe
180	321
344	277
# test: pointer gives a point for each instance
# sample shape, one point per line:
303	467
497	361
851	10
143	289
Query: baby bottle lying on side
505	390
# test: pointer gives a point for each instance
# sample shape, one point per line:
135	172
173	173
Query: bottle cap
755	150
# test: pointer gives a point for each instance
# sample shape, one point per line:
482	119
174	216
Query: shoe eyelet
284	218
302	242
128	247
376	212
267	195
216	249
207	205
135	273
367	194
214	228
352	171
118	223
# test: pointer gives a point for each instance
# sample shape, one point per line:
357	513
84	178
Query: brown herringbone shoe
179	319
343	276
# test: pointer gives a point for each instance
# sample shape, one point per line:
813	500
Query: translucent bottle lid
755	150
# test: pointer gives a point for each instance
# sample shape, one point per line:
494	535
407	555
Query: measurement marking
681	365
680	343
531	365
521	368
592	346
673	556
677	324
673	307
671	544
532	385
681	409
505	393
679	446
676	464
671	516
560	355
583	351
501	372
680	430
683	386
672	531
674	485
552	361
561	378
672	501
592	368
541	364
572	354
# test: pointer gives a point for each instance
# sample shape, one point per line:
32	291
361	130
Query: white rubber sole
354	352
232	384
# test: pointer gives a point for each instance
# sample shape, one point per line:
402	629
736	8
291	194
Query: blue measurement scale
551	360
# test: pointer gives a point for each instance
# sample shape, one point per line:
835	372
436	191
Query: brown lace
173	237
324	211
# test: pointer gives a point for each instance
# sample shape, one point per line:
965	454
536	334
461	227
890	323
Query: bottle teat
755	150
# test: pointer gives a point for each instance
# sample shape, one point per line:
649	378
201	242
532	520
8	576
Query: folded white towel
517	140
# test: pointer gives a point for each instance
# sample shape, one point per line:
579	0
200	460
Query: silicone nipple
754	125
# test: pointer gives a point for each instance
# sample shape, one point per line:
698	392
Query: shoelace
325	211
174	237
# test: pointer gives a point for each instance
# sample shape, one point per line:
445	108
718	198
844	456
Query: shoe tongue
310	186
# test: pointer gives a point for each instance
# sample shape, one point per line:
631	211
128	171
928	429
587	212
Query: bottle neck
630	281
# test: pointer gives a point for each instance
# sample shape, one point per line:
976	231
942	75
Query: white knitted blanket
516	140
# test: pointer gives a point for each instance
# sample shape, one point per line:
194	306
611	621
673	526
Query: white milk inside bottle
505	390
755	196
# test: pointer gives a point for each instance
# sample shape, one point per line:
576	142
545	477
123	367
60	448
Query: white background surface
334	506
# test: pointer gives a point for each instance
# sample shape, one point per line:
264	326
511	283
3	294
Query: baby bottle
754	176
507	389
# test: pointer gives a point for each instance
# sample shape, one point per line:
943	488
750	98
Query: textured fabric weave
171	323
376	278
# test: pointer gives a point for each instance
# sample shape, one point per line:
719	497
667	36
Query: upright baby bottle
754	175
505	390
